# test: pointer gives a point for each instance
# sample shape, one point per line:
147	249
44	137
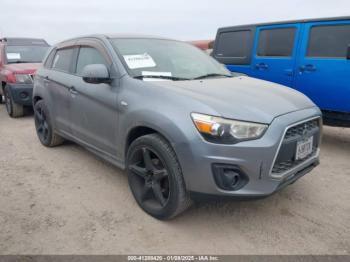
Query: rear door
275	52
323	71
94	106
58	81
233	47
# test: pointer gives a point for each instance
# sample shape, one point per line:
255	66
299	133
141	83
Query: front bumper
21	93
254	158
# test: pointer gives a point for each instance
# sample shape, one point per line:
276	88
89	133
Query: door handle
262	66
307	68
289	72
72	90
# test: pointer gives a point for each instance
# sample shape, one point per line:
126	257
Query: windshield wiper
210	75
174	78
20	61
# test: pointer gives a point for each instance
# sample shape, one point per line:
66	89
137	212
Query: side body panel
325	80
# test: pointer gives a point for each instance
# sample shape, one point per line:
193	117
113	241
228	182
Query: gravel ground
67	201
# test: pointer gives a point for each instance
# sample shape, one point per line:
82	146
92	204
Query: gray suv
174	118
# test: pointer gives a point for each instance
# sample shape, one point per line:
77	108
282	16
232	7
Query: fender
162	124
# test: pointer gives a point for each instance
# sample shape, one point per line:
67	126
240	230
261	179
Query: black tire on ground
1	98
13	109
155	177
43	126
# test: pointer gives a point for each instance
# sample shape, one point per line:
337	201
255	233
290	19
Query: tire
160	192
44	127
1	99
13	109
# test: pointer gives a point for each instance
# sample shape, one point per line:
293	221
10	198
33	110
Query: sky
180	19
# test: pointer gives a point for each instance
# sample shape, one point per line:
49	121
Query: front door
94	106
323	72
274	53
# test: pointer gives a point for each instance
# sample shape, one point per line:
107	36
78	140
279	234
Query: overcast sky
181	19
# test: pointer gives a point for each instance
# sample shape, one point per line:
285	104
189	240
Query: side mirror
96	74
348	53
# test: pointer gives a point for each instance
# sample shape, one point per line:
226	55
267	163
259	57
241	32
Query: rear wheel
155	177
13	109
43	126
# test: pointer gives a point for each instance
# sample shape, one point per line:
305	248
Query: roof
23	41
110	36
292	21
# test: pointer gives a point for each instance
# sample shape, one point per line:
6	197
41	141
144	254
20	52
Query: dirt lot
67	201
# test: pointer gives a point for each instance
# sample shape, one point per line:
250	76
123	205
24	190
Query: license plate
304	148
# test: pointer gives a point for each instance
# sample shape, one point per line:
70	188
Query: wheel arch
36	99
139	131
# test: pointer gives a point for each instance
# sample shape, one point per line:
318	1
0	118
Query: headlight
23	79
226	131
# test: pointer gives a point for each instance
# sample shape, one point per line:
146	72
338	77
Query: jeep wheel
43	126
13	109
155	177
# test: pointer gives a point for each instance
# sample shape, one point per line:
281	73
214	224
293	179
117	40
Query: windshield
25	54
166	58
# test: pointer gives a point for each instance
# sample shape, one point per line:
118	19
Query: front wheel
155	177
43	126
13	109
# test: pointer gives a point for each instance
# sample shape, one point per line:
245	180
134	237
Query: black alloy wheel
150	178
41	125
155	177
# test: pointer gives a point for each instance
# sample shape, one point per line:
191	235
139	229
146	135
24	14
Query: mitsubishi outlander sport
175	119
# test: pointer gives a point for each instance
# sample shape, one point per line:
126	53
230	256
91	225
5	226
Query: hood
23	68
242	98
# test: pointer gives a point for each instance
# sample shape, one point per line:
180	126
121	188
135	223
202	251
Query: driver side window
88	56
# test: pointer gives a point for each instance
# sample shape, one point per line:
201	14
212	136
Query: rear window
62	59
276	42
49	59
25	54
233	44
329	41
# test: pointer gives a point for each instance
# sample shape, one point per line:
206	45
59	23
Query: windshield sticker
139	61
150	73
154	79
13	56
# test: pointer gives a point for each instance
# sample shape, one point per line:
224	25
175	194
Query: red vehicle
206	45
19	59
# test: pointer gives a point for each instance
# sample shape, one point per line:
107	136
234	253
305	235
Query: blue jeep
311	56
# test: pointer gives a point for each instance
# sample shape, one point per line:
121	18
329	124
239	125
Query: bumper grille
282	167
286	157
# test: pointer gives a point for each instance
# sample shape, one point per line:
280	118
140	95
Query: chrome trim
286	173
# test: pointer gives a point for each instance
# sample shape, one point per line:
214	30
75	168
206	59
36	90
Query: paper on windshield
139	61
150	73
13	55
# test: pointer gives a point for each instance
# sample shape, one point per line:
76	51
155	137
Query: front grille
298	130
286	157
